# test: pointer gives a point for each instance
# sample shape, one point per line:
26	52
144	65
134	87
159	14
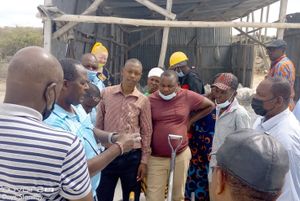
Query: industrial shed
210	50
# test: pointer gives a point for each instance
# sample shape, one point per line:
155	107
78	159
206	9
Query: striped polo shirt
38	162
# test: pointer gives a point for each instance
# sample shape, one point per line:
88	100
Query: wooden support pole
158	9
164	23
282	14
91	9
247	35
247	28
165	38
260	20
47	29
267	20
253	20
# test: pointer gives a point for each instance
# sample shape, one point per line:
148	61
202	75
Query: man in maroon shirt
173	110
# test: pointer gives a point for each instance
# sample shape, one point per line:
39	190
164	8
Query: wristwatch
111	139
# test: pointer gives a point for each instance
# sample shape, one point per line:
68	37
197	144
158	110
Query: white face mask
168	97
224	104
180	73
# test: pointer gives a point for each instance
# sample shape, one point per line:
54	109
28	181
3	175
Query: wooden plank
163	23
91	9
152	6
165	38
47	29
282	14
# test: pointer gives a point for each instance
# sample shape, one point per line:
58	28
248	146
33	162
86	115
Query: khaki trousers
158	174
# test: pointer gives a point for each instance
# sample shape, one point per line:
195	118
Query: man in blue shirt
90	62
69	115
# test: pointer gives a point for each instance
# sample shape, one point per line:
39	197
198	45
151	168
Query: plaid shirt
126	114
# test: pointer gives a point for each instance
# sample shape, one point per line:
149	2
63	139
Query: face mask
100	65
168	97
180	73
223	105
258	107
91	75
46	113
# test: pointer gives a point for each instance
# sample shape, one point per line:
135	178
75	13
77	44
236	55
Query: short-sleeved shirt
192	81
126	114
286	130
38	162
284	67
80	125
171	117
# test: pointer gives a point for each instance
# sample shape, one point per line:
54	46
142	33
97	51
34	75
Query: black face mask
258	107
46	113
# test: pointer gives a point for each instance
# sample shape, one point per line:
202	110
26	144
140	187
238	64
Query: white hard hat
157	71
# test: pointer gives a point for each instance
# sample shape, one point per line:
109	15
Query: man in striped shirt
36	161
281	65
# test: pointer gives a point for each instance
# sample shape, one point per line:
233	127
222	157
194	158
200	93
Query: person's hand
142	171
128	140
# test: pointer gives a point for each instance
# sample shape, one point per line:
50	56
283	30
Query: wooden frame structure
85	17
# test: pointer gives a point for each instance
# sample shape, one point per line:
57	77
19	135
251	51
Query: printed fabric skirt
200	142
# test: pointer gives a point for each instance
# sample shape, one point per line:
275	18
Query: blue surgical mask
180	73
91	75
167	97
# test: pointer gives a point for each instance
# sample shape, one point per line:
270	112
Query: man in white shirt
271	102
230	116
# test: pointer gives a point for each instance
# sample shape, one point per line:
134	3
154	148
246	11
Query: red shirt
171	117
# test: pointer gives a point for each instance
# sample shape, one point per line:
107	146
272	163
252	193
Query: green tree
13	39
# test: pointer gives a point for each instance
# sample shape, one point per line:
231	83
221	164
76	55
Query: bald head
280	87
30	72
89	61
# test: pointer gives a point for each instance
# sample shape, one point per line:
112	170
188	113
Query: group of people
67	133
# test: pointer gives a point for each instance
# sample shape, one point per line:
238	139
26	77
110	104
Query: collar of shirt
79	114
277	60
19	110
232	107
270	123
62	113
118	89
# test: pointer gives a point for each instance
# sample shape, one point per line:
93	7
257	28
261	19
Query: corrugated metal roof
186	9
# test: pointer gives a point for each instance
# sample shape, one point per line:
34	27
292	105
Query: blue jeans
124	167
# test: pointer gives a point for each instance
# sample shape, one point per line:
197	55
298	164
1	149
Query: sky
23	12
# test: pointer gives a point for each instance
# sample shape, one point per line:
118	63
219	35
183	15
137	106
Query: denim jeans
124	167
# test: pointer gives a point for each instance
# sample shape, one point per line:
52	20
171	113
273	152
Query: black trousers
124	167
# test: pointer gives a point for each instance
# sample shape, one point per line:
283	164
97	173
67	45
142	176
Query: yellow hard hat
99	48
176	58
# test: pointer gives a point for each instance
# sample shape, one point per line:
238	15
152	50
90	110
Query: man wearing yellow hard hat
188	79
101	53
